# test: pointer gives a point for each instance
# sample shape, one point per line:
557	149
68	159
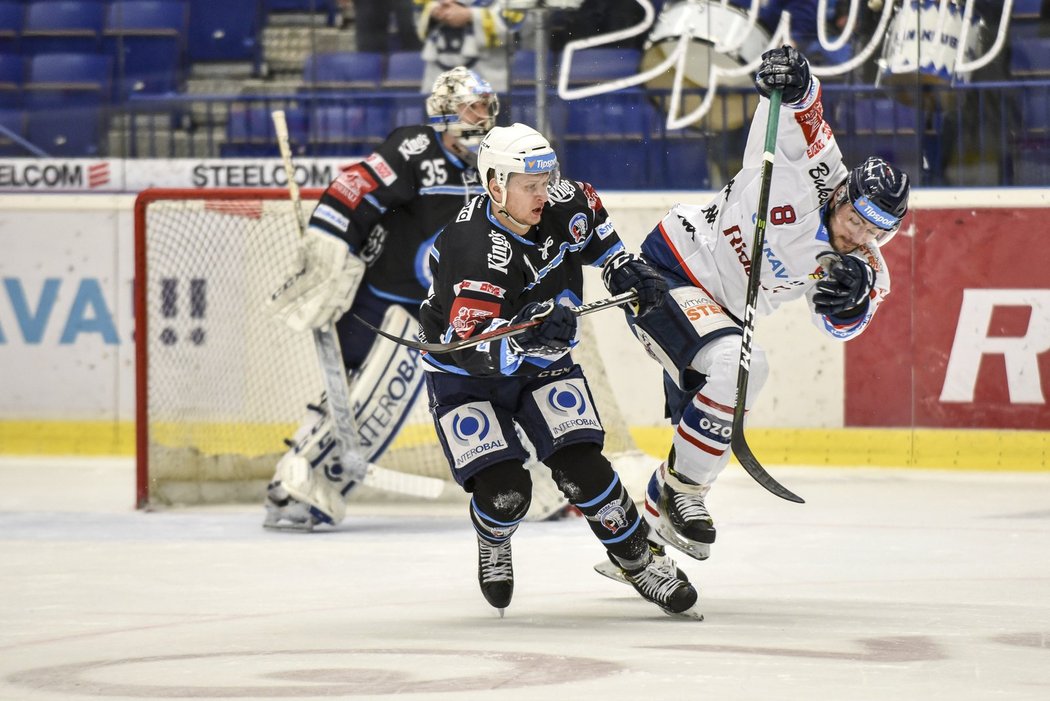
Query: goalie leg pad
382	391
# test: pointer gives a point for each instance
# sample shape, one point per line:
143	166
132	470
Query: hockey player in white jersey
825	226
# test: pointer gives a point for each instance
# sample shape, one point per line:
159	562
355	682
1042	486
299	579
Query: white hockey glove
323	288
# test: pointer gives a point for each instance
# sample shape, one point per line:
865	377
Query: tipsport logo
566	407
472	432
541	164
873	214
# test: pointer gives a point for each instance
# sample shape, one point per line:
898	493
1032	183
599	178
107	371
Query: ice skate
675	511
610	568
661	582
285	513
496	573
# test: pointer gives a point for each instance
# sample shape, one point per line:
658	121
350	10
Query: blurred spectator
599	17
372	25
471	33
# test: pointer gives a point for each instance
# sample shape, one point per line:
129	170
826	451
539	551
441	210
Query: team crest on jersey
381	168
352	185
578	227
500	254
561	191
413	146
468	313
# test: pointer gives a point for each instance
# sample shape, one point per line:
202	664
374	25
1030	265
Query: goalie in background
516	254
365	253
825	228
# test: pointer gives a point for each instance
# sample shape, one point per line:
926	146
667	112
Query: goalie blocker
310	486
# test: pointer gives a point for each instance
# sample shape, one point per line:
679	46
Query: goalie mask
463	104
879	194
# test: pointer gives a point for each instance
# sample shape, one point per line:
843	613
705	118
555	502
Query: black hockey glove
552	337
844	293
624	273
784	68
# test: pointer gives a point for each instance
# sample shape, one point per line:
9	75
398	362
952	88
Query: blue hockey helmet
879	192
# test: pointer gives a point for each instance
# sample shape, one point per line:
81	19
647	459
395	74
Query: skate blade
608	569
692	613
289	526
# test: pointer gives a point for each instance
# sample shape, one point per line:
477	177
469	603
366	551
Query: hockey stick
503	331
330	358
740	447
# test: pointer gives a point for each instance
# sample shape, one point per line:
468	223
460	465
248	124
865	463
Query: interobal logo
567	400
470	425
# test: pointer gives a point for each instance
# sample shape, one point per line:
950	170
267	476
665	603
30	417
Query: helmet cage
453	90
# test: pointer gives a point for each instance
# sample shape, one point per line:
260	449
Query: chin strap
501	207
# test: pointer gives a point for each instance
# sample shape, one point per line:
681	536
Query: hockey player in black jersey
366	252
512	255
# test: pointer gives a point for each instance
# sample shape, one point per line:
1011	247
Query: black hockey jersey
484	274
390	206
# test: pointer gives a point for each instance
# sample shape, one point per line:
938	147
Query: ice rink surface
888	585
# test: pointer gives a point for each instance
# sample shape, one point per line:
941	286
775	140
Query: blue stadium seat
63	26
12	77
523	68
404	69
606	139
150	37
329	7
224	31
12	19
66	95
250	131
352	130
1026	8
601	64
886	128
343	70
1030	57
12	121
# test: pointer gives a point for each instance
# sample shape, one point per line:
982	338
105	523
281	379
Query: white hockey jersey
710	247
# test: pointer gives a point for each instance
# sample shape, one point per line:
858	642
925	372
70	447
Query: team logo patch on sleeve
480	286
472	431
381	168
352	185
566	406
468	313
578	227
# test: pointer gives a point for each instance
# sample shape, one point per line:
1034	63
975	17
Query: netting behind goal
220	384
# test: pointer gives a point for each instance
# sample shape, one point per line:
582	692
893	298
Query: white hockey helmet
515	149
454	89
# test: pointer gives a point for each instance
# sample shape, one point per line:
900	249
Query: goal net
220	384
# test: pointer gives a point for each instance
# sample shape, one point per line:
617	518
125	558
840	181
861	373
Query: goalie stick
741	449
330	358
503	331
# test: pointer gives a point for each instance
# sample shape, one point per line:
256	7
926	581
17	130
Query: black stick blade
754	468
